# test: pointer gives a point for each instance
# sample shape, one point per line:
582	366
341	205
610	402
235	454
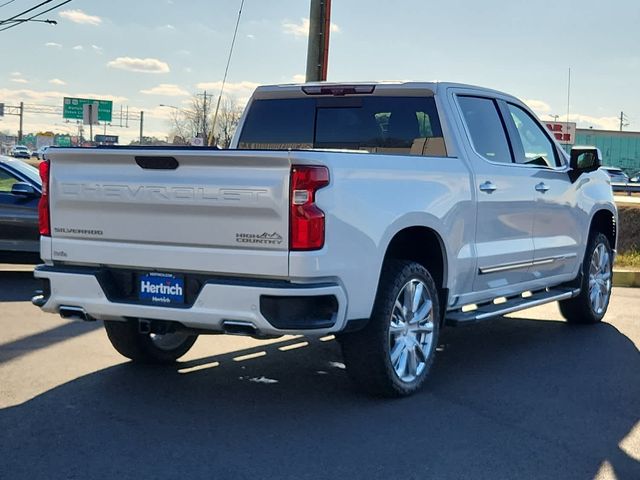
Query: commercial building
619	149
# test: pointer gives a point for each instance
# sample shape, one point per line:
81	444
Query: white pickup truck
376	212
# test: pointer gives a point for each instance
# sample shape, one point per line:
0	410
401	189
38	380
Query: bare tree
191	122
227	121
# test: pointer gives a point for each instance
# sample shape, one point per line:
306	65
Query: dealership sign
565	132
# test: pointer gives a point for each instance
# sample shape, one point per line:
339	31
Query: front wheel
591	304
147	347
393	354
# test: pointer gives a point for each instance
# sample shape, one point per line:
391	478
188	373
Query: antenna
568	97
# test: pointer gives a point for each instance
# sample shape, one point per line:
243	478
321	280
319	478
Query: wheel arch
605	222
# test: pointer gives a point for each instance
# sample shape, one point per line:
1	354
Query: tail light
306	220
43	205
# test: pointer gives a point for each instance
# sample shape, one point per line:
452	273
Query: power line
26	11
33	16
7	3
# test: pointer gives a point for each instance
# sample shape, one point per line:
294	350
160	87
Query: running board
513	304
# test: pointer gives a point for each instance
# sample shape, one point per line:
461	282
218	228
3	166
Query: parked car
20	151
20	190
375	212
616	174
635	177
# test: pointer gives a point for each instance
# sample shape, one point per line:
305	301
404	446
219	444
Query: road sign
63	141
72	108
106	138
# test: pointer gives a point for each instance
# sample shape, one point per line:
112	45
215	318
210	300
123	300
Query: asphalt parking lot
526	397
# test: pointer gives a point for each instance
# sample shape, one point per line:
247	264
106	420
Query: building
619	149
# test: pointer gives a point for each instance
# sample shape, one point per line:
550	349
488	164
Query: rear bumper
273	307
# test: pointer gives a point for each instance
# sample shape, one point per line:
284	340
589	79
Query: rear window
402	125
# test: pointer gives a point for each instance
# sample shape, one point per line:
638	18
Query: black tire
141	348
580	309
367	352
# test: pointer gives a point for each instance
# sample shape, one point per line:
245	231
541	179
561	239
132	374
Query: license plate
161	288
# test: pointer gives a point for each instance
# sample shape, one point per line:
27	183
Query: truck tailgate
217	211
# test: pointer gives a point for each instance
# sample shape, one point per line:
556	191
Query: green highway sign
72	108
63	141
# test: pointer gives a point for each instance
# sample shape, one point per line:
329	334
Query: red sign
565	132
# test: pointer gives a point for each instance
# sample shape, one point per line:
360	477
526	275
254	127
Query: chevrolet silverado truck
375	212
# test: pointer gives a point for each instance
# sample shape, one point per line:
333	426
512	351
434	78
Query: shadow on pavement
17	286
61	333
510	399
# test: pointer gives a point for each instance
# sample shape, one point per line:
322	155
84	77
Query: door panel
557	230
505	198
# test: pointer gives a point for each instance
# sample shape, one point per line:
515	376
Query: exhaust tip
74	313
238	327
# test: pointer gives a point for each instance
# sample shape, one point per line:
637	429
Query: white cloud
299	78
78	47
302	29
166	89
53	44
57	81
168	26
15	74
240	91
251	36
538	106
144	65
585	121
97	49
19	80
78	16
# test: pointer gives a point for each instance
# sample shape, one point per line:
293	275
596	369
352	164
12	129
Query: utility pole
318	49
623	120
141	125
21	117
205	135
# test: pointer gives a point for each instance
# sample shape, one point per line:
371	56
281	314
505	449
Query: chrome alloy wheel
168	341
599	278
411	330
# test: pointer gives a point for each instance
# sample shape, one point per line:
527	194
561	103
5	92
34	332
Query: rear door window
486	129
377	124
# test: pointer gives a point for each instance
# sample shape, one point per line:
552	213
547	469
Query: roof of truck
434	87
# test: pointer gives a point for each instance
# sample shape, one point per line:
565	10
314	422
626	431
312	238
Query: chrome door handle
542	187
488	187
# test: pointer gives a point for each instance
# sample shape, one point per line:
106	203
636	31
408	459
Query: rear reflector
43	206
306	220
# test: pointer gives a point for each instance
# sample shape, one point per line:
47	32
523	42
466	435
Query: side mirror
23	189
585	159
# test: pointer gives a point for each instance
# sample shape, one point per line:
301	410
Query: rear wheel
595	291
147	347
393	354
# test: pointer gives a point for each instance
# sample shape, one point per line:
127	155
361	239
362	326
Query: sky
143	53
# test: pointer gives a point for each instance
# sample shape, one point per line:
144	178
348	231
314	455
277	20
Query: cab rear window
376	124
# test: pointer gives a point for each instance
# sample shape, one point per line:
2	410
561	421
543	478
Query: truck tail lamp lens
306	220
43	205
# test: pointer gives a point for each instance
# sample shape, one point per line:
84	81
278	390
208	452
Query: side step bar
513	304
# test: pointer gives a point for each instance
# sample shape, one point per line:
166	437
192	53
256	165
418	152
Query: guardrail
627	188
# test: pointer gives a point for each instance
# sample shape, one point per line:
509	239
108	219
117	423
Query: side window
538	148
6	181
486	129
